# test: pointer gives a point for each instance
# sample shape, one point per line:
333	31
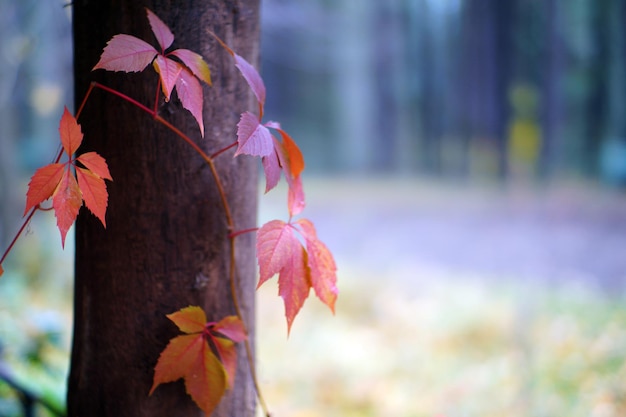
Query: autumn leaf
189	319
94	192
321	264
126	53
68	191
1	270
280	251
190	95
253	137
169	71
130	54
69	130
43	184
162	33
191	357
66	201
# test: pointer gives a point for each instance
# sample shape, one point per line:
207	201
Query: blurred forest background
510	90
466	161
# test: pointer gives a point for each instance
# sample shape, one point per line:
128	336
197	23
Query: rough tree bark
165	246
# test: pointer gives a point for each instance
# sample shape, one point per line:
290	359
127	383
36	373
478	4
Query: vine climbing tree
162	151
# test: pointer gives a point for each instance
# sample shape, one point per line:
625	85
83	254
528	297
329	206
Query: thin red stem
232	145
19	232
242	232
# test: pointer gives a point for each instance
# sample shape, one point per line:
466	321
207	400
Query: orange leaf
189	319
293	154
206	380
71	135
228	356
1	270
94	192
177	358
66	201
42	184
96	164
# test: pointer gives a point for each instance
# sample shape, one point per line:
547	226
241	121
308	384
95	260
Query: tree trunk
166	242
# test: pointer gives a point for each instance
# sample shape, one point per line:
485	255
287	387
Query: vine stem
227	213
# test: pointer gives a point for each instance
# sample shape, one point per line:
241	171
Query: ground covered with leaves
413	335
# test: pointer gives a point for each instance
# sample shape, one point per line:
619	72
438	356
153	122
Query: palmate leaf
130	54
279	251
68	191
190	356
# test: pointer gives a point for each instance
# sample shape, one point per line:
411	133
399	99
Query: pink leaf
280	251
321	264
168	70
253	78
162	33
126	53
295	196
271	167
253	137
293	281
189	92
195	63
231	327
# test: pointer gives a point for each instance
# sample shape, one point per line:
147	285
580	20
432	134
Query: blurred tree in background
457	88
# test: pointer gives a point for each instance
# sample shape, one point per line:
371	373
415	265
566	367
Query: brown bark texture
166	244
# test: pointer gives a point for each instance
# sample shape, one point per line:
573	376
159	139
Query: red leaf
206	381
42	185
293	281
271	167
253	78
168	70
189	319
162	33
126	53
280	251
253	137
66	201
189	92
177	358
321	264
96	164
232	328
71	135
94	192
1	270
273	248
228	355
195	63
